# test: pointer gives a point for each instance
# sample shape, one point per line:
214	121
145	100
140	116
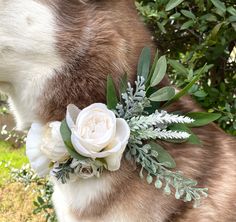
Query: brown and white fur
56	52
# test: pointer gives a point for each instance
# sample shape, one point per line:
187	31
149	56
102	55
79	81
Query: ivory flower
45	145
97	133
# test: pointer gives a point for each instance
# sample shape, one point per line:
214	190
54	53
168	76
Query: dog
57	52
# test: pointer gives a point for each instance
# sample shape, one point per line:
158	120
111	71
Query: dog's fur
56	52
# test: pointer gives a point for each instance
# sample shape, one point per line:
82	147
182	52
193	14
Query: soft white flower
45	145
97	133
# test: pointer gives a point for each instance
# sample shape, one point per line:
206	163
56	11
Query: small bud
149	179
158	184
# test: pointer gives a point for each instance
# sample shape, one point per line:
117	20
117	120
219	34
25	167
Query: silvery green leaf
159	71
193	139
158	184
163	94
149	179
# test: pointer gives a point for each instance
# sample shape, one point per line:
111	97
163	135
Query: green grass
16	203
15	157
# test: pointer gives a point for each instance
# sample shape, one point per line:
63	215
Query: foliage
148	126
43	188
194	33
9	155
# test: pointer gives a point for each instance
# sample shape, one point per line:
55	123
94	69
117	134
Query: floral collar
94	139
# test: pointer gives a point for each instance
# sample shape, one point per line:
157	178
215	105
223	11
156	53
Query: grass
16	203
10	158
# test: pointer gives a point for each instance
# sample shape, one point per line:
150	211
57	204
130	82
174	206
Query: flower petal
114	161
41	166
39	162
71	115
122	131
122	134
78	146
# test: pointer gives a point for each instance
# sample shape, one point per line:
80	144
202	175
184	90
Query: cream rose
97	133
45	145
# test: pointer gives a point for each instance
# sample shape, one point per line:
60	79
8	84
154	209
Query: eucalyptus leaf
163	94
66	136
163	156
202	119
111	93
172	4
159	71
144	62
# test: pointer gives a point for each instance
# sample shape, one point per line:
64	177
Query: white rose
97	133
45	145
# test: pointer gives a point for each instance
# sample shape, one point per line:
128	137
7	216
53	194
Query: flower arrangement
94	139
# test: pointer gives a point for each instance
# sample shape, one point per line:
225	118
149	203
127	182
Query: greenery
10	158
141	108
194	33
14	199
43	189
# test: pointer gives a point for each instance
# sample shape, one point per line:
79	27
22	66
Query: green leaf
193	139
163	156
202	119
232	18
231	10
144	62
159	71
172	4
209	17
163	94
215	30
186	88
188	14
219	4
111	93
66	136
175	16
124	83
152	70
161	27
200	94
178	67
187	24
